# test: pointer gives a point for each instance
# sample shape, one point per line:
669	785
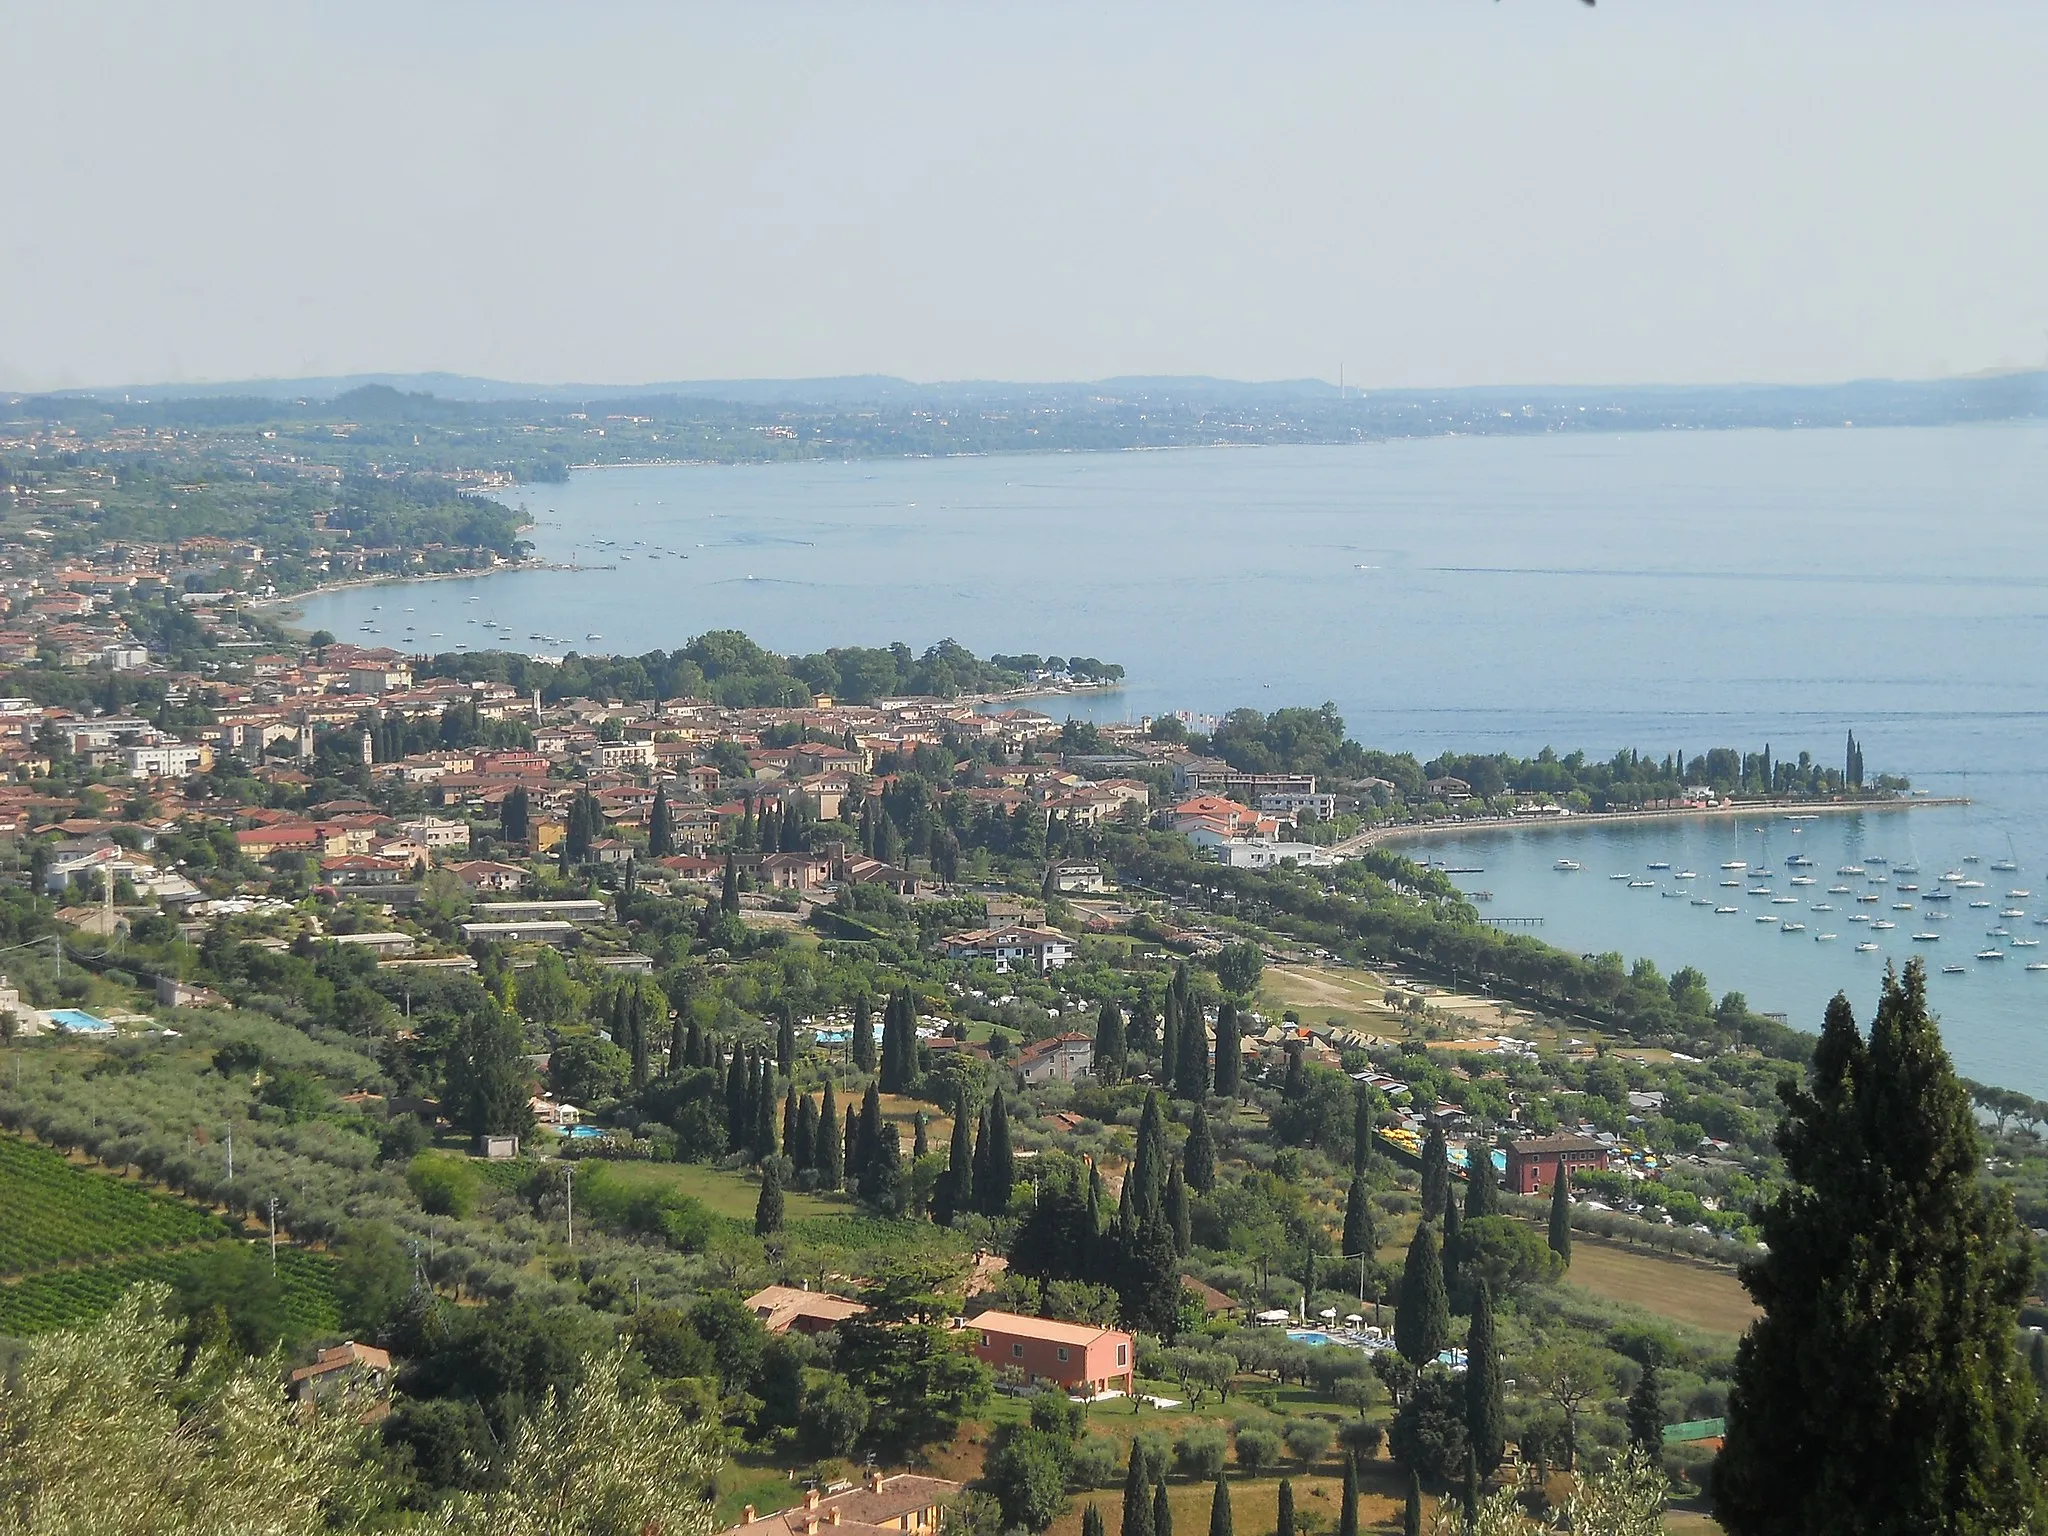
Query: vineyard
67	1297
55	1212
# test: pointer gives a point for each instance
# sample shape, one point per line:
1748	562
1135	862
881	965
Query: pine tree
1109	1042
661	834
994	1189
1485	1407
1411	1512
1422	1322
1436	1175
1646	1412
1360	1233
1199	1154
1229	1054
1283	1525
1347	1508
1137	1497
768	1208
1162	1511
1894	1276
827	1155
863	1036
1219	1509
1177	1215
1561	1214
1091	1521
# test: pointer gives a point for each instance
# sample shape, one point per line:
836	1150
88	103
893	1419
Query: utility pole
273	1234
569	1174
231	1156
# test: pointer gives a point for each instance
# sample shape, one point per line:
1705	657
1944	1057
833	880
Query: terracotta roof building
905	1502
785	1307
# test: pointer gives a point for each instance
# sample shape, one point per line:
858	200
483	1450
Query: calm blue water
1661	591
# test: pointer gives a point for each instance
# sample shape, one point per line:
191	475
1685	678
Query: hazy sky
1427	193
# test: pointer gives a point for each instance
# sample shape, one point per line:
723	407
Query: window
1063	1352
986	1341
1121	1351
1017	1351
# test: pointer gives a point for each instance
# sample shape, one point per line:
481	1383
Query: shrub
1308	1439
1258	1448
1097	1463
442	1185
1361	1437
1200	1453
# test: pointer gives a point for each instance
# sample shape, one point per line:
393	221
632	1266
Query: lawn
1319	993
1680	1289
724	1193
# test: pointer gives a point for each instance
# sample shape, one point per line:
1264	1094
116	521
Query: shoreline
286	600
1410	831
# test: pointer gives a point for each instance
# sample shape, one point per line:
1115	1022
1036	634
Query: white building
163	760
1015	947
434	832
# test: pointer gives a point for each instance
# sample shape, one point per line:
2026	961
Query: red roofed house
1533	1162
262	842
785	1307
905	1502
1078	1356
1062	1059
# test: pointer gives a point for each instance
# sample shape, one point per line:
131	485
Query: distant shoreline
1410	831
288	600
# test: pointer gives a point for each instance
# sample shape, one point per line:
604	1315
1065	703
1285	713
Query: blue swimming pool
1314	1338
79	1022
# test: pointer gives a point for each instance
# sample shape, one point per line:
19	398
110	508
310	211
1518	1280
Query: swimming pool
1314	1338
79	1022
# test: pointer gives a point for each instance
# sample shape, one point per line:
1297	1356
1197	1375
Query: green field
56	1212
723	1193
64	1298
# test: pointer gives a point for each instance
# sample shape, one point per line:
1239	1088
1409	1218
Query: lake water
1664	591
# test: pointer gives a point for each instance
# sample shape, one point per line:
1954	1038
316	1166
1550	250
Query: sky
1416	192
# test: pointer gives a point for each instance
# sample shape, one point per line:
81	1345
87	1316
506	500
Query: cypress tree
1347	1508
1148	1161
2037	1363
827	1155
881	1178
1454	1248
1162	1511
1177	1215
1561	1215
735	1102
1422	1322
1219	1509
1142	1029
1360	1234
1002	1165
1199	1154
1482	1189
729	892
790	1116
1893	1276
1646	1412
765	1141
1109	1042
1229	1054
1361	1130
636	1028
867	1144
1169	1041
863	1036
1137	1498
1471	1490
768	1208
785	1042
806	1152
849	1161
1283	1524
1191	1076
1091	1521
920	1145
957	1188
1411	1512
1436	1175
661	835
1485	1409
980	1163
1294	1086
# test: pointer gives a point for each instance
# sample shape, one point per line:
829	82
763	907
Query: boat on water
1726	911
1784	901
2017	895
1702	901
1866	948
1642	885
1883	924
2014	912
1799	861
1875	858
2037	965
1926	938
1990	954
1822	906
1859	917
1979	906
1973	858
1870	898
1791	927
2012	856
2026	943
1623	876
1736	864
1850	869
1759	890
1564	864
1838	890
1824	938
1906	887
1803	880
1659	864
1727	885
1671	895
1905	869
1953	970
1969	885
1766	917
1939	896
1902	906
1687	874
1953	874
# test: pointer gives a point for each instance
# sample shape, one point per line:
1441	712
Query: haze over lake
1664	591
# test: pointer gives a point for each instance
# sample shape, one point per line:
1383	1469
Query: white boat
1736	864
1875	858
1765	917
1659	864
1953	970
1850	869
1953	874
1804	880
1866	948
1565	864
1825	938
1759	890
1870	898
2037	965
1990	954
1799	861
1702	901
2026	943
1969	885
1784	901
1838	890
1727	885
1822	906
1858	917
1642	885
1687	874
1904	886
1619	877
1726	911
1973	858
1791	927
2014	912
1883	924
1980	905
1902	906
2017	895
1926	938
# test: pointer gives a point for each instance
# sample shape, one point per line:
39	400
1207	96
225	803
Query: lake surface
1664	591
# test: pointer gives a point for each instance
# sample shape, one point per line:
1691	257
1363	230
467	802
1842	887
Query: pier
1512	922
